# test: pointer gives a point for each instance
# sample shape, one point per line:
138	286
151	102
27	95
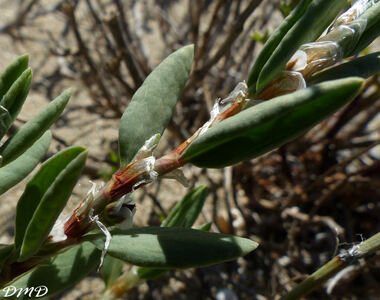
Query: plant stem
135	175
334	266
122	285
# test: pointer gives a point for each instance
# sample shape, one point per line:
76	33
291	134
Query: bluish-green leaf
111	270
364	67
174	247
15	97
33	129
268	125
273	41
12	72
44	198
60	272
184	215
18	169
187	210
152	105
319	14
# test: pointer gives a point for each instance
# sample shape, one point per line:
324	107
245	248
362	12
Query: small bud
122	216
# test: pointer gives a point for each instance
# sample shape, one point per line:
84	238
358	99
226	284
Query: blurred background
301	202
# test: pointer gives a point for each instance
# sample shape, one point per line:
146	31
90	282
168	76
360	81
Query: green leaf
272	43
152	105
13	71
184	215
33	129
205	227
319	14
111	270
15	97
268	125
286	6
18	169
5	123
173	247
44	198
150	273
60	272
364	67
187	210
5	252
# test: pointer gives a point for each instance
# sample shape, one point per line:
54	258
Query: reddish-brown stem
134	176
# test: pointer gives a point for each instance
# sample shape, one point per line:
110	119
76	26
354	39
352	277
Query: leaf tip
28	74
246	245
24	58
68	92
48	134
65	96
188	50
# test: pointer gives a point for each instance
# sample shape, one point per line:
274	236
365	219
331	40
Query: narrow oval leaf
18	169
184	215
44	198
364	67
270	124
59	273
111	270
187	210
174	247
273	41
33	129
152	105
319	14
12	72
15	97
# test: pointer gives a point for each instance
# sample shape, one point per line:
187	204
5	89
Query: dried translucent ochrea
314	56
105	231
339	40
287	82
356	10
235	102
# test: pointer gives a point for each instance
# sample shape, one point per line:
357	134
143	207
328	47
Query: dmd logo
35	292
